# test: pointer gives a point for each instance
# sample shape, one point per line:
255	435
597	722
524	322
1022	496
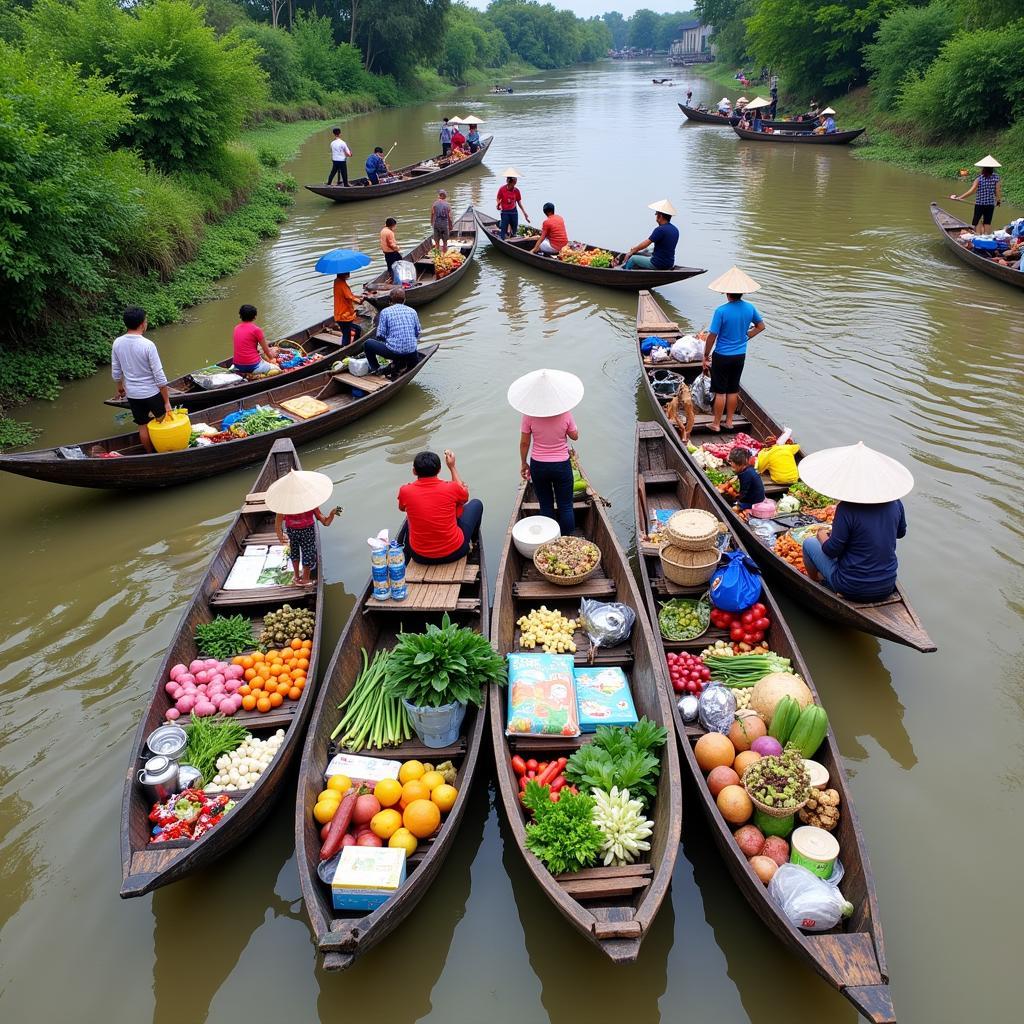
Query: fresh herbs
372	717
264	420
562	835
809	497
441	666
620	757
208	739
224	638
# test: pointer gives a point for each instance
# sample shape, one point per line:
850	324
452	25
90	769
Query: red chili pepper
523	780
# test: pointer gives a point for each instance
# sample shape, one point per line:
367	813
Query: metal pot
189	777
159	778
168	741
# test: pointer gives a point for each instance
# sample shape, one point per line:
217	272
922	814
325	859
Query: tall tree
618	27
643	29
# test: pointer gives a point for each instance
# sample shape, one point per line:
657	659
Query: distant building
693	44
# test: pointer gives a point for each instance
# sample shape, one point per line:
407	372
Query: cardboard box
367	877
363	769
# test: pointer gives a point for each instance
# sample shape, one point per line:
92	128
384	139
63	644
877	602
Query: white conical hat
455	120
988	161
757	102
827	110
742	99
300	491
510	172
734	282
724	99
545	393
856	473
662	206
471	120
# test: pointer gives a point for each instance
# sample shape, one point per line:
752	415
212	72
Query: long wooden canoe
893	618
146	866
428	285
460	589
134	468
613	907
628	280
950	228
807	138
406	178
850	957
322	340
708	117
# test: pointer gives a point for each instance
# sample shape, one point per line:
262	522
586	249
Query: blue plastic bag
651	343
737	584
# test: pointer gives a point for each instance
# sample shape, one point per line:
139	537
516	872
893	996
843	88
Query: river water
874	333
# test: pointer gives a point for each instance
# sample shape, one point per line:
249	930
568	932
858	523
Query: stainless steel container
159	778
189	777
168	741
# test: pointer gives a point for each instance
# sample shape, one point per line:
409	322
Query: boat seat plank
657	325
702	419
543	590
533	507
266	537
653	477
603	888
326	335
850	957
525	743
623	871
893	598
259	595
278	718
446	572
625	929
441	604
666	588
370	383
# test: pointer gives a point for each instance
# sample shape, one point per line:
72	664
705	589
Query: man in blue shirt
735	322
376	165
664	238
749	480
828	123
445	135
397	334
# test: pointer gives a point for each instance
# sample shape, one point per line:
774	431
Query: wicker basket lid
693	524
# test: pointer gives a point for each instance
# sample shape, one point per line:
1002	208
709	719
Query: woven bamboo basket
565	581
688	568
692	529
773	812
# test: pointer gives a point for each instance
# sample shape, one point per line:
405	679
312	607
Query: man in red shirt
553	235
442	518
509	197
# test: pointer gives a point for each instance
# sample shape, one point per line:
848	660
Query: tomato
763	623
705	674
531	765
735	632
759	610
747	618
748	638
518	765
679	686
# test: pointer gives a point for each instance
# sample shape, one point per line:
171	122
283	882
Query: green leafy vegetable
208	738
808	497
620	757
223	638
562	835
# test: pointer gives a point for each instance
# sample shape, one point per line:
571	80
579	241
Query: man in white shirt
136	368
339	159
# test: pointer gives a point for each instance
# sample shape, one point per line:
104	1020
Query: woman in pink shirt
544	439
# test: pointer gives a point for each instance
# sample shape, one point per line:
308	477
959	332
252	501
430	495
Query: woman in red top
295	499
442	519
252	354
509	197
459	141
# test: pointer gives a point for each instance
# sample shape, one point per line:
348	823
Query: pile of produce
371	718
208	739
396	812
241	768
187	815
562	834
747	627
544	773
567	556
808	497
528	231
624	757
706	460
743	670
446	263
721	449
204	687
623	826
790	551
287	622
550	629
721	477
579	255
802	729
274	677
821	809
688	672
224	637
683	618
778	781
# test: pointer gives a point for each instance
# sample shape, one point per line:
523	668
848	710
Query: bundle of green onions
372	719
745	669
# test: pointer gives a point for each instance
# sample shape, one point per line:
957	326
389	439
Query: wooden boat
893	619
347	398
804	137
711	117
460	590
851	957
146	866
950	228
630	280
614	907
428	285
404	178
322	340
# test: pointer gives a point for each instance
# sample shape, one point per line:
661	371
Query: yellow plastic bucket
171	433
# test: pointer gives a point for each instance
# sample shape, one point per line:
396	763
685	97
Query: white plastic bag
403	272
358	366
810	903
701	393
687	349
659	355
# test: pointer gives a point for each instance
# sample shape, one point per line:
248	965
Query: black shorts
143	408
725	373
983	212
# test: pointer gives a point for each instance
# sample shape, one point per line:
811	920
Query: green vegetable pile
683	618
745	669
562	835
622	757
287	623
778	781
371	718
208	739
264	420
719	476
808	497
224	638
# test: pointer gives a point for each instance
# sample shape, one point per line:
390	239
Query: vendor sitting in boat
664	238
473	137
749	481
553	237
443	520
827	122
252	354
857	558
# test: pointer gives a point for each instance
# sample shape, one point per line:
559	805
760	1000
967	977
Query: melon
735	805
767	693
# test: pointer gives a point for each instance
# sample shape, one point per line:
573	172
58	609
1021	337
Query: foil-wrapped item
717	708
688	707
607	623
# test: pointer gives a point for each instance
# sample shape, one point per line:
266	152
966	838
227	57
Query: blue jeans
261	367
825	565
552	483
639	262
509	223
468	523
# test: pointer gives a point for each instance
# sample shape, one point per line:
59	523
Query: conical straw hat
300	491
662	206
988	161
758	102
734	282
724	99
827	110
742	99
545	393
510	172
856	473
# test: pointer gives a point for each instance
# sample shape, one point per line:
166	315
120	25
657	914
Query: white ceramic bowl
529	533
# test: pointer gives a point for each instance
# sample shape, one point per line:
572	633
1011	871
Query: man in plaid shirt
398	331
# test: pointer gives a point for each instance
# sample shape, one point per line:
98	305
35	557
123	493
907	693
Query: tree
395	36
643	29
618	28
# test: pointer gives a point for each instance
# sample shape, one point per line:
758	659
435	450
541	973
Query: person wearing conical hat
509	197
734	323
296	499
664	238
987	191
856	556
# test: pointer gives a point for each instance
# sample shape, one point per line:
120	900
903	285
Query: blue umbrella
342	261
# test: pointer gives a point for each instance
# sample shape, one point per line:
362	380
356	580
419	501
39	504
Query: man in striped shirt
398	332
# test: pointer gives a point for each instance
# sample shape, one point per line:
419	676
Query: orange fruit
299	684
339	783
422	818
307	645
303	663
444	796
411	791
247	662
237	660
388	792
386	823
409	771
403	839
271	655
294	693
248	702
285	677
296	644
328	794
275	669
432	780
276	700
258	657
248	674
263	705
324	811
244	691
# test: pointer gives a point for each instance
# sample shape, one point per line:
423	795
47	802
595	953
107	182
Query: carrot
553	770
339	824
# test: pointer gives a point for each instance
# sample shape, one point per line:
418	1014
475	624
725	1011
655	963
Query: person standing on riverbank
339	159
136	368
988	192
664	238
509	197
389	243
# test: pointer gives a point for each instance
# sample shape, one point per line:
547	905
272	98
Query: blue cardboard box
603	697
367	877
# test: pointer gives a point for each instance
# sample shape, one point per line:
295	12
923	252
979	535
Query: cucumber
784	720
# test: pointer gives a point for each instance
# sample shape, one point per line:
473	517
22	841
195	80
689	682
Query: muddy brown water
874	333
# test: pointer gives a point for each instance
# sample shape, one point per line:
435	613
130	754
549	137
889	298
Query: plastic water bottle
379	572
396	572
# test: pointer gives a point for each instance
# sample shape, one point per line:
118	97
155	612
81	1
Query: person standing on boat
473	138
397	333
295	500
252	354
553	235
689	97
136	368
389	243
546	399
443	519
441	220
734	323
376	165
339	159
345	316
445	135
509	197
664	238
988	192
857	557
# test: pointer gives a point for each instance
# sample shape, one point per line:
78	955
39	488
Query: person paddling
376	165
988	192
